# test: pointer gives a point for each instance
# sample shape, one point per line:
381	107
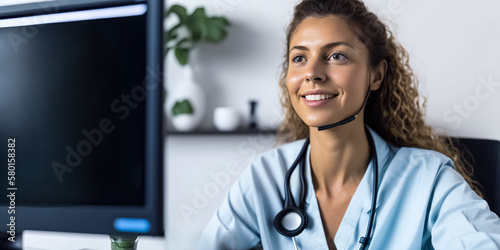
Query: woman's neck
339	157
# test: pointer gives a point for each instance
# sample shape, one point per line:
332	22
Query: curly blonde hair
394	110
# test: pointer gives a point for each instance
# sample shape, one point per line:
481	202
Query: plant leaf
182	107
180	11
197	23
181	43
182	55
220	21
215	29
172	33
215	34
199	26
226	22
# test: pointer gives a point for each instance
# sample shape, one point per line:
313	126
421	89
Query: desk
39	240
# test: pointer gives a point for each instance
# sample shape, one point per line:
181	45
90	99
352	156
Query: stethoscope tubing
289	201
301	158
365	240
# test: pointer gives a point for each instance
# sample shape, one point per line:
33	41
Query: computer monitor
81	132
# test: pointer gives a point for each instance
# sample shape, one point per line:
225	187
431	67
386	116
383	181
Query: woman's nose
315	73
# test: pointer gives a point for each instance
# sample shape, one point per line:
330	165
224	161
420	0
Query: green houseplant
187	108
192	29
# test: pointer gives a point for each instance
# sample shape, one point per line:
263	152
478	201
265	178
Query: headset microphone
348	119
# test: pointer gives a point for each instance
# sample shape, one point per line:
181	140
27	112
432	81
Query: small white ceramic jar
226	118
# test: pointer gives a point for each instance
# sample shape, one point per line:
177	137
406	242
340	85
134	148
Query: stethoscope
292	220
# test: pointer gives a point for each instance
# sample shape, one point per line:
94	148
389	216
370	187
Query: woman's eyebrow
335	44
326	46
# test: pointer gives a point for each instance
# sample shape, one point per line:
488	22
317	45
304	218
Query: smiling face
327	76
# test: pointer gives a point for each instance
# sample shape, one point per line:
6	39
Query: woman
340	55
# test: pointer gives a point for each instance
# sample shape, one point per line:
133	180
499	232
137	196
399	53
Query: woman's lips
317	100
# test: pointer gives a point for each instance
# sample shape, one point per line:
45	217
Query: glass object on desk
123	242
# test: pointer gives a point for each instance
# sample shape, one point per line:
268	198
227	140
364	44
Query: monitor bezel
100	219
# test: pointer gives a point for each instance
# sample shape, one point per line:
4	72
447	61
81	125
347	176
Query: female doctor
360	169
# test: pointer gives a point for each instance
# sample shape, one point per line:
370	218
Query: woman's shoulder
426	155
271	166
403	160
417	161
282	153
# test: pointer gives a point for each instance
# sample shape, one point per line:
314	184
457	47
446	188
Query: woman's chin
319	123
316	124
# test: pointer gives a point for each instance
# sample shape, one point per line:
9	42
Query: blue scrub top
423	203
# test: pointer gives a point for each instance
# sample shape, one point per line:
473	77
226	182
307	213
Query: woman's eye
337	57
298	59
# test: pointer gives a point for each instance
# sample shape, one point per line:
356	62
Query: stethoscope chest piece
291	221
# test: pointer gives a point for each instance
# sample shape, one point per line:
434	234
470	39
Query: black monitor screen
72	97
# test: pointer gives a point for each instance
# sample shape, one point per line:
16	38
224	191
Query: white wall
454	49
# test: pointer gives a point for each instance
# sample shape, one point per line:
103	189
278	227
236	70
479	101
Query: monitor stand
6	244
122	242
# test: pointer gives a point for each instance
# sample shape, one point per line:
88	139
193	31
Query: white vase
186	89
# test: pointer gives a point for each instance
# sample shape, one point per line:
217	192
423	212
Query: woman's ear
378	75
